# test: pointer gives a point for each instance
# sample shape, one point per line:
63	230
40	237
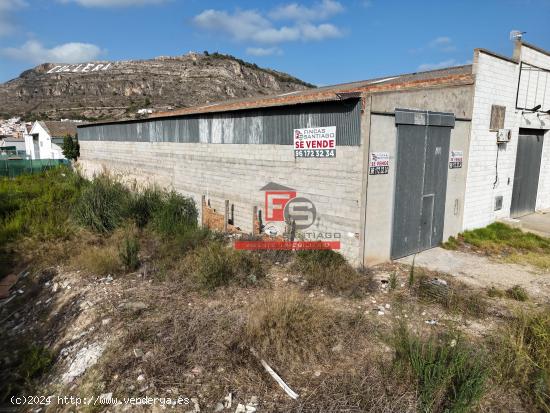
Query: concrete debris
105	321
387	306
317	373
141	377
431	322
380	312
196	407
228	400
219	407
439	281
84	359
250	407
337	348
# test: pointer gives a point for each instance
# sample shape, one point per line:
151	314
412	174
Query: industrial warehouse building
401	163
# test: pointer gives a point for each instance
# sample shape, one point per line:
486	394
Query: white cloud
6	19
34	52
261	51
442	64
443	43
113	3
319	11
251	26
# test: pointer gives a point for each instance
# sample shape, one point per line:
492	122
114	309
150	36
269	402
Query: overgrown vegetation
522	357
451	295
450	375
289	328
517	293
216	264
512	244
26	363
330	270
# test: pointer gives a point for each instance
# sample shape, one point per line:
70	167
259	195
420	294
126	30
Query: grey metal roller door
421	181
527	171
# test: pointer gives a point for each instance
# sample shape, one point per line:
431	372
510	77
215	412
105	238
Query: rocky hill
116	90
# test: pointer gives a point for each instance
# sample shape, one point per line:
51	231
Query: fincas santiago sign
315	142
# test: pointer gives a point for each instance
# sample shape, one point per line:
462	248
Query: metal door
526	175
421	182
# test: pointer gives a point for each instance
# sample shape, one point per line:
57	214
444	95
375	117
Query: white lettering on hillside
80	68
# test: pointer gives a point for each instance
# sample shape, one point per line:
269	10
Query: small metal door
526	175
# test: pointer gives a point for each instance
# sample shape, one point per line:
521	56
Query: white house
45	139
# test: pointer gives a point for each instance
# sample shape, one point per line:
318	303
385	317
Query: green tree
71	147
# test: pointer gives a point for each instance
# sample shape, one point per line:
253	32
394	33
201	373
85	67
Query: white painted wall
497	84
48	149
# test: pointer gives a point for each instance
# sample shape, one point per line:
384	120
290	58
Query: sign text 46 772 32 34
315	142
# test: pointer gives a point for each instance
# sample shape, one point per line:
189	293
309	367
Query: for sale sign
315	142
379	163
455	159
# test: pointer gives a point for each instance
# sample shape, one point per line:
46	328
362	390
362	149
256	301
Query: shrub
495	292
449	377
128	253
330	270
517	293
103	205
289	327
175	214
216	264
144	204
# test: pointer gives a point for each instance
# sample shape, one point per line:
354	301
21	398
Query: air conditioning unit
504	135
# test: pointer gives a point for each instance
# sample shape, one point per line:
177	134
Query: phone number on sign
315	153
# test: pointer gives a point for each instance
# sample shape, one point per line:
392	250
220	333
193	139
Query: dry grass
536	259
289	327
455	297
522	357
98	260
217	264
329	270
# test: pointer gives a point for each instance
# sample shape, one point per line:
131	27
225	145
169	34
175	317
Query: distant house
45	139
13	143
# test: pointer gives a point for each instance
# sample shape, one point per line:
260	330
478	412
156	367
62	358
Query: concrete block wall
237	172
497	84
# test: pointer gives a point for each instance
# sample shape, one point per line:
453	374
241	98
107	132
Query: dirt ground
484	272
135	336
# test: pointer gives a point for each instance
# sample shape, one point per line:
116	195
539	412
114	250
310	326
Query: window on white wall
498	114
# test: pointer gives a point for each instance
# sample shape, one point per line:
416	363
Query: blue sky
320	41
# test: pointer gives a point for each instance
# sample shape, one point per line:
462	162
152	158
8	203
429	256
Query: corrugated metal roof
434	78
58	129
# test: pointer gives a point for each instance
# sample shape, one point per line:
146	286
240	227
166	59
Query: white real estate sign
315	142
